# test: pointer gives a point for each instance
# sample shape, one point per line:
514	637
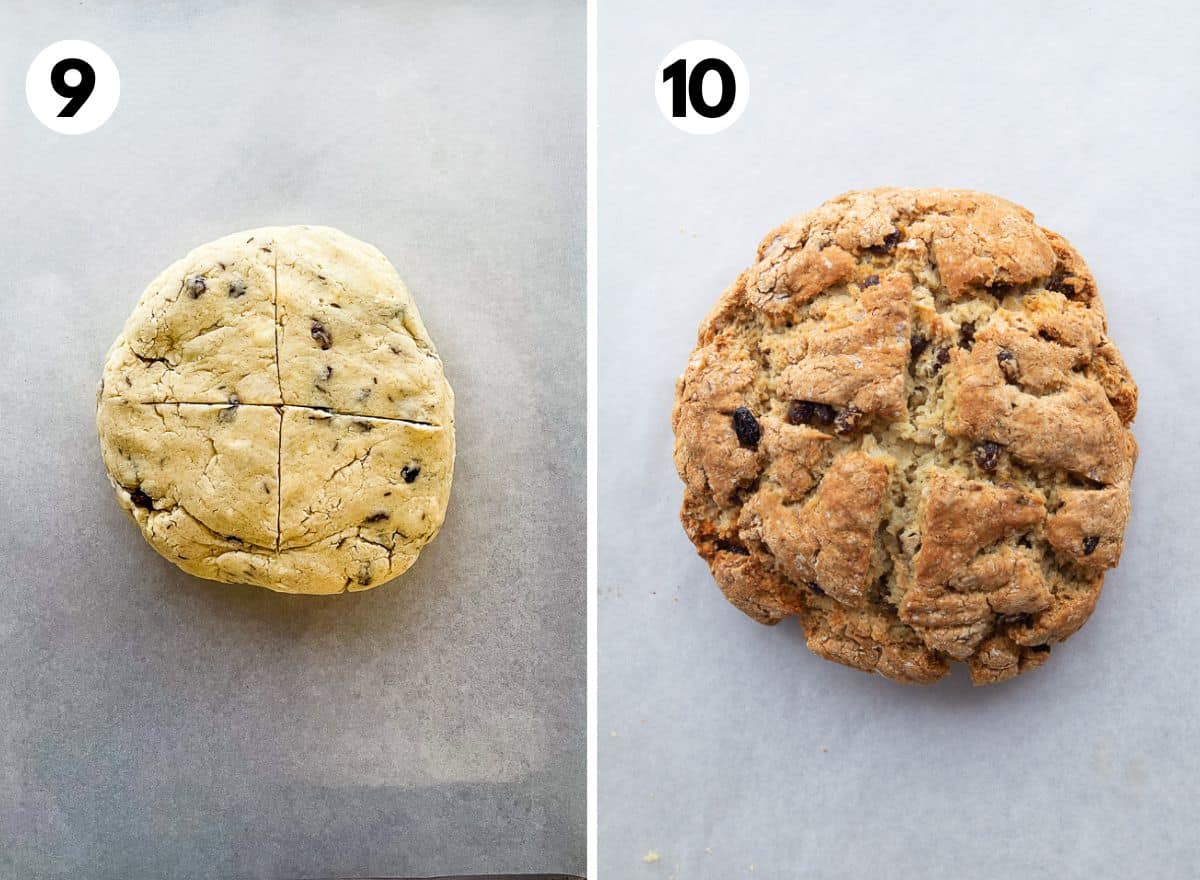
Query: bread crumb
650	858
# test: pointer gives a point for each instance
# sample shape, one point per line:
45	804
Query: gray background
156	725
718	733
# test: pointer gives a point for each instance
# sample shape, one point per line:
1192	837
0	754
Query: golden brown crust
999	658
906	425
986	242
825	543
831	368
869	640
958	584
1018	387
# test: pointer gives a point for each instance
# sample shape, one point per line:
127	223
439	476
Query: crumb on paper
612	733
650	858
708	850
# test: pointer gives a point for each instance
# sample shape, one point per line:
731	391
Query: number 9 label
72	87
702	87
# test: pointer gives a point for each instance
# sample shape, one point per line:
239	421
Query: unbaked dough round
275	413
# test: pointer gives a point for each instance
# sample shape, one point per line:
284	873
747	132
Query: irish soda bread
906	425
274	413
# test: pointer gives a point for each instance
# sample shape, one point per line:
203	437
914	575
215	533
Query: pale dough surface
275	413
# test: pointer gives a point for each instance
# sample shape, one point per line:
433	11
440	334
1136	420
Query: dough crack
216	534
286	406
275	308
279	486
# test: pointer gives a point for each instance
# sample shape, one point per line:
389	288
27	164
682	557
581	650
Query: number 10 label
702	86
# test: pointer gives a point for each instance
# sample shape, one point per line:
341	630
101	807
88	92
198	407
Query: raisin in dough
907	426
275	413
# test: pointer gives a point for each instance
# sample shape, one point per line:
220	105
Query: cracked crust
251	445
906	425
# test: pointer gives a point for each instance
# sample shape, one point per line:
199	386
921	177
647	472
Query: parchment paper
156	725
726	748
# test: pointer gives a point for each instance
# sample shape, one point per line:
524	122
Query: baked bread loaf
906	425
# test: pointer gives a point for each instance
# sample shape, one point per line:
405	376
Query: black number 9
78	93
693	87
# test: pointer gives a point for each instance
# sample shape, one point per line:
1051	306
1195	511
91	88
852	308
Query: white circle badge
72	86
702	86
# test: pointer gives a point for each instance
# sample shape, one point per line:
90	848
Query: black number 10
78	93
690	89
